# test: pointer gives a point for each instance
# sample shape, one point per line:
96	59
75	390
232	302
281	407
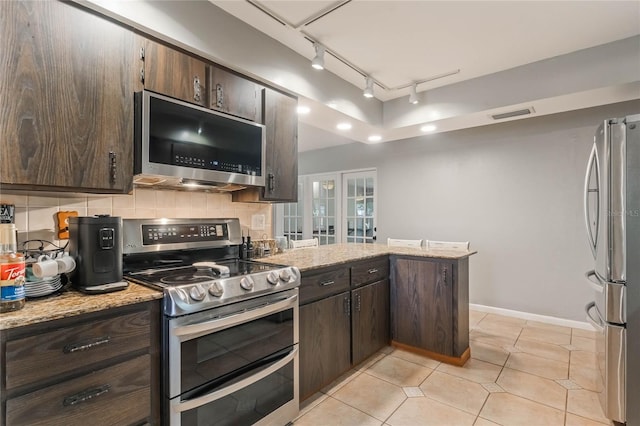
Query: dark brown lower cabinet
116	395
369	320
325	339
95	368
430	305
342	321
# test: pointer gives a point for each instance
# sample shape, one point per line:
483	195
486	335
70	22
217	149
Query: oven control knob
197	293
216	289
273	278
246	283
285	275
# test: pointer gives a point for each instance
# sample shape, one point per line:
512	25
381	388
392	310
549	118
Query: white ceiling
398	43
401	42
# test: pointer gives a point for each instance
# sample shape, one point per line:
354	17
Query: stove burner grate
195	278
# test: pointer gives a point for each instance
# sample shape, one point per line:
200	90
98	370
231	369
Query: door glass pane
359	199
351	191
293	216
370	189
324	209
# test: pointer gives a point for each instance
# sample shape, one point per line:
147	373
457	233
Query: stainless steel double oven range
230	326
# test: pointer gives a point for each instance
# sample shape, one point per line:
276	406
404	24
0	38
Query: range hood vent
510	114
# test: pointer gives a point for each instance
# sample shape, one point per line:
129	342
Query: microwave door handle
597	323
205	399
592	165
594	281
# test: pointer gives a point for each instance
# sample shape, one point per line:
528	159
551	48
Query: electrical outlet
63	223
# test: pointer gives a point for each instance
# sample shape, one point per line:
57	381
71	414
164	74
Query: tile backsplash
36	212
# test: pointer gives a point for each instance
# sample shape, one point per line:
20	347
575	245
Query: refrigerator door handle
595	322
595	281
592	165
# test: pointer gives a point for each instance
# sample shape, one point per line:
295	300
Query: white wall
514	190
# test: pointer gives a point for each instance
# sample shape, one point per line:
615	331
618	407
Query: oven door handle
205	399
186	332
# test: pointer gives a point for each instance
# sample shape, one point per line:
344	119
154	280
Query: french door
334	208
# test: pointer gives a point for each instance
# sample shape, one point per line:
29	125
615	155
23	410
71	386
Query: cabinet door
281	119
370	320
173	73
281	174
235	95
67	80
324	342
422	305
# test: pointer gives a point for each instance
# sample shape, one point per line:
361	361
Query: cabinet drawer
323	283
117	395
370	271
45	355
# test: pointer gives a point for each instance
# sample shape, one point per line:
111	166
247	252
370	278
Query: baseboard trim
533	317
453	360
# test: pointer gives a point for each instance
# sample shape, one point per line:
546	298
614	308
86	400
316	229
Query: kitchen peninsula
358	298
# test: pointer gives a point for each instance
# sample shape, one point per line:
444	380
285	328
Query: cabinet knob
78	347
113	171
219	96
197	90
85	395
271	182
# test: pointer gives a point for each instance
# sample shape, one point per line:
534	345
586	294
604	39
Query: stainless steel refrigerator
612	216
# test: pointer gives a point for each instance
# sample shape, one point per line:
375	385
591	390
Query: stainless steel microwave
181	144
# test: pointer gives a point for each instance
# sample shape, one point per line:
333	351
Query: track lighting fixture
413	95
368	91
318	60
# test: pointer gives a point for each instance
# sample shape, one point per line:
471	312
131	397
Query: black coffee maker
95	242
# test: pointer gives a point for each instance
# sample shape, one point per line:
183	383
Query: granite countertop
71	302
334	254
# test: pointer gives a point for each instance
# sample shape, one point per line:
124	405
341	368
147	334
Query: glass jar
12	270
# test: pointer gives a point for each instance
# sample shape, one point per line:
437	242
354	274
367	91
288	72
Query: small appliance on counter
95	242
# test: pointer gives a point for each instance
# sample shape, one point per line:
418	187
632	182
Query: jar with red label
11	270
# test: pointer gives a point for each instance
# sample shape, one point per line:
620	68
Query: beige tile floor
520	373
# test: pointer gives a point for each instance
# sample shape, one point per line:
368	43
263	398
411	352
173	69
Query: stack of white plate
42	286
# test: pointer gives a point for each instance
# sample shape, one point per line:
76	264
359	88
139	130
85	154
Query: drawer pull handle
77	347
86	395
372	271
328	282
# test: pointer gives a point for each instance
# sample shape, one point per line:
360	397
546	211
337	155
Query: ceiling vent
510	114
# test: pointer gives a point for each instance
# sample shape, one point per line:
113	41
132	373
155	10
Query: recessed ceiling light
374	138
428	128
302	109
344	126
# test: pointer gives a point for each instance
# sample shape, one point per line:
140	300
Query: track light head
368	91
318	60
413	95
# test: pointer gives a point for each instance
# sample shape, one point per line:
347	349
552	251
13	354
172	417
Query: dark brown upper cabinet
281	174
67	81
234	94
173	73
